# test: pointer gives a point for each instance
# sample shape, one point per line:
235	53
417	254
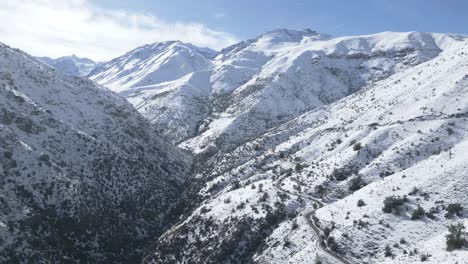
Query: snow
296	105
151	64
71	64
280	100
71	151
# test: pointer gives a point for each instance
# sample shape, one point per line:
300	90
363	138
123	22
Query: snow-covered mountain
152	64
307	148
294	119
397	129
256	84
84	177
71	65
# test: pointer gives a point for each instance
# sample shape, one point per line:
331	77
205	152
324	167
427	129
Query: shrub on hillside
357	146
361	203
320	191
356	183
453	209
418	213
388	251
457	237
393	203
341	174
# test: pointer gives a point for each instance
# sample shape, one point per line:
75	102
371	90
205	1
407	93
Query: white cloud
62	27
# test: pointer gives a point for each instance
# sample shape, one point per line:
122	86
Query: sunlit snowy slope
290	120
71	65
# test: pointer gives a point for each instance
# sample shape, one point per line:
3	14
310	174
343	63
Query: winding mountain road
309	216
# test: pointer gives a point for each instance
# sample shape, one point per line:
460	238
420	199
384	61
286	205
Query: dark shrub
456	238
320	190
392	203
356	183
357	146
388	251
418	213
44	158
340	174
453	209
361	203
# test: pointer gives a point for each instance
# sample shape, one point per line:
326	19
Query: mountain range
291	147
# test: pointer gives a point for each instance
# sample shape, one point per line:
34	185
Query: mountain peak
306	31
292	35
275	37
72	65
170	44
153	63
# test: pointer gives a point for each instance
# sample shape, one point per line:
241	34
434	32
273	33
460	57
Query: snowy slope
169	63
152	64
303	76
71	65
84	177
400	125
292	116
177	107
259	83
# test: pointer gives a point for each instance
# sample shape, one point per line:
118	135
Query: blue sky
104	29
246	19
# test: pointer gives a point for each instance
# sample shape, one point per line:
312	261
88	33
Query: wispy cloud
62	27
339	26
219	15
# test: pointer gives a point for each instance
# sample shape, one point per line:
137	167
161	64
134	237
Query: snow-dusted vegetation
293	120
302	148
84	178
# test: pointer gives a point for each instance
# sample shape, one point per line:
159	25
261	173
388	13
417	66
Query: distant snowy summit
196	92
71	65
152	64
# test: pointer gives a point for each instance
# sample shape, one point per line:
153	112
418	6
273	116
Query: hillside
84	178
152	64
332	120
256	84
307	147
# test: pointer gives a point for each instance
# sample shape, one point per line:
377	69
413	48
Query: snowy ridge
152	64
309	75
71	65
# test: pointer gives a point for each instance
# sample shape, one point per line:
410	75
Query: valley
291	147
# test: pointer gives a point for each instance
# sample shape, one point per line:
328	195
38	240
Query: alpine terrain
309	147
292	147
84	178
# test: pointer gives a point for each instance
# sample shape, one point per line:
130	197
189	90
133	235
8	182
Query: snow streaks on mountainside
152	64
257	84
